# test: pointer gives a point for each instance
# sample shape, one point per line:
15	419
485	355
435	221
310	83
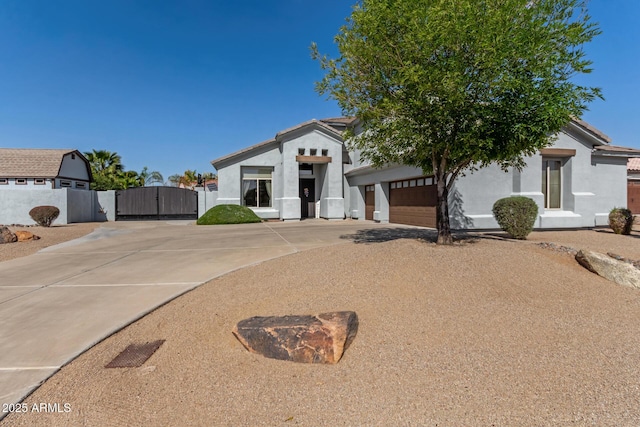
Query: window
21	181
256	187
313	151
552	183
65	183
325	152
4	181
38	181
81	185
301	151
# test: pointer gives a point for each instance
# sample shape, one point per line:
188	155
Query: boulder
6	236
307	339
23	236
620	272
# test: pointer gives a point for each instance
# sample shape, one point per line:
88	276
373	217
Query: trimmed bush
44	215
621	220
228	214
516	215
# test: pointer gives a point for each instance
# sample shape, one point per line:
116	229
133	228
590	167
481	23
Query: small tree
516	215
44	215
453	85
621	220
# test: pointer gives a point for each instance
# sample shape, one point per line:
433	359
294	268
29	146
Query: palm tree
105	168
189	179
147	178
207	176
103	160
174	180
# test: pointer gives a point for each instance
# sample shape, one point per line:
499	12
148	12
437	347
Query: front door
307	197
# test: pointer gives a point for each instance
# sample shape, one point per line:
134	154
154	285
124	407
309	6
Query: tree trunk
442	213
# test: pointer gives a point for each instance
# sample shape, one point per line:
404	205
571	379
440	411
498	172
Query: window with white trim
4	181
39	181
552	183
21	181
256	187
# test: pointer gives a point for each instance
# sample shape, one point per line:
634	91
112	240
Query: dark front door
307	197
156	203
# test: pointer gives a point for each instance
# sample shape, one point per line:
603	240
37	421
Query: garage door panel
413	205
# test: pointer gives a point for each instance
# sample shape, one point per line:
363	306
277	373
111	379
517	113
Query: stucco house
307	171
34	169
633	185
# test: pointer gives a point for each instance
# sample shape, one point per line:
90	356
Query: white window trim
242	180
546	197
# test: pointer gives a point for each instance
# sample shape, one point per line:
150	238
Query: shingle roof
31	163
633	164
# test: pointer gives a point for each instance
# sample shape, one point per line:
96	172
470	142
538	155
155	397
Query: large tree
454	85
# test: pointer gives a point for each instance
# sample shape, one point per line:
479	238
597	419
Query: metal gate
156	203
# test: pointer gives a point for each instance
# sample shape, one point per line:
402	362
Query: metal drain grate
135	355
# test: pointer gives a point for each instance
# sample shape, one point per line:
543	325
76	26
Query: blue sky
174	84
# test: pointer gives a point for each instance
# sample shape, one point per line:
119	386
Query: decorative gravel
488	332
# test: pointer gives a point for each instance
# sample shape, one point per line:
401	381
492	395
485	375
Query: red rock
26	235
307	339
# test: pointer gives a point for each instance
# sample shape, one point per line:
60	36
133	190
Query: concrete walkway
57	303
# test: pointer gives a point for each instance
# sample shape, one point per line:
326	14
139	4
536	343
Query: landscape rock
6	236
620	272
307	339
23	236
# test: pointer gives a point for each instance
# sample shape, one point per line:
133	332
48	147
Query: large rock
23	236
6	236
308	339
603	265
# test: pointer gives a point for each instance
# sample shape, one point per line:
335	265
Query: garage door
369	201
413	202
633	196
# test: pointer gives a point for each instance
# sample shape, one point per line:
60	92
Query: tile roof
586	126
617	149
633	164
31	163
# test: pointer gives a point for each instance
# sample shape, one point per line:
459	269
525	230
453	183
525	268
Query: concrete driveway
57	303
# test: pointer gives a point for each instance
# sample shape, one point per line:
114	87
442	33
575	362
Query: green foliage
44	215
109	174
228	214
621	220
454	85
516	215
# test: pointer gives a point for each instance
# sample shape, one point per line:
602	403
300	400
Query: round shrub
228	214
516	215
44	215
621	220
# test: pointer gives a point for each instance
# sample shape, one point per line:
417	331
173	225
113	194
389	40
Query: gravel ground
49	236
486	332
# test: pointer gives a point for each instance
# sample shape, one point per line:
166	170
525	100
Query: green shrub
516	215
621	220
228	214
44	215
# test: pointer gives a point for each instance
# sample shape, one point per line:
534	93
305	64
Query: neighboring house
633	185
34	169
575	182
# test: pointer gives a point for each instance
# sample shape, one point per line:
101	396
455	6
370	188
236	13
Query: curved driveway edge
59	302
